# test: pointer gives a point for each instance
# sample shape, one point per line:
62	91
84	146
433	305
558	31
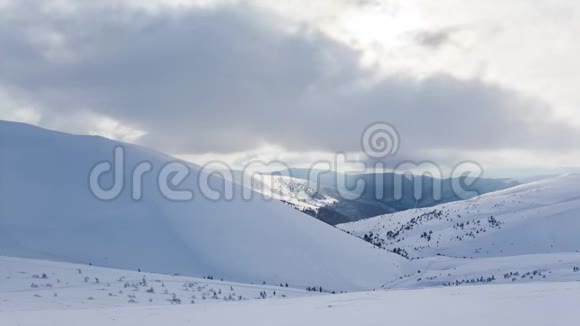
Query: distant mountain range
322	199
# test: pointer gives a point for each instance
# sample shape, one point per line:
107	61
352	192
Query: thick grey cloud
232	78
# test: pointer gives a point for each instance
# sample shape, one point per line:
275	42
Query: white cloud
21	114
260	78
11	110
525	45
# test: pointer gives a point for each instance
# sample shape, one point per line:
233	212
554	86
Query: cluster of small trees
132	298
476	227
532	274
400	252
128	289
511	275
314	289
415	221
373	239
427	235
481	279
174	299
514	275
494	223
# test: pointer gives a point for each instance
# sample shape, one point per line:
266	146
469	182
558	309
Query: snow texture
48	212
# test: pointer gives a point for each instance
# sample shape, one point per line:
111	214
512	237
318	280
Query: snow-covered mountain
317	200
535	218
48	212
526	234
320	198
300	194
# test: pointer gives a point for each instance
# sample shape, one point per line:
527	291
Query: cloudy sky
489	81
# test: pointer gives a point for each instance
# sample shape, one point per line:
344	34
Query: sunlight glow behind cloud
259	78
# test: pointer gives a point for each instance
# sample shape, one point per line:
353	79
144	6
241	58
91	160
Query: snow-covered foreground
37	292
554	304
28	285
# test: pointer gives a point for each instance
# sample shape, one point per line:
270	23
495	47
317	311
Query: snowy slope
30	284
300	194
317	200
447	271
535	218
47	211
525	304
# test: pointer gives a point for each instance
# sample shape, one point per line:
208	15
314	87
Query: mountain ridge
48	212
534	218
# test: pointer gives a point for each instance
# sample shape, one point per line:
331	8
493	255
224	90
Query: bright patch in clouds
298	81
113	129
